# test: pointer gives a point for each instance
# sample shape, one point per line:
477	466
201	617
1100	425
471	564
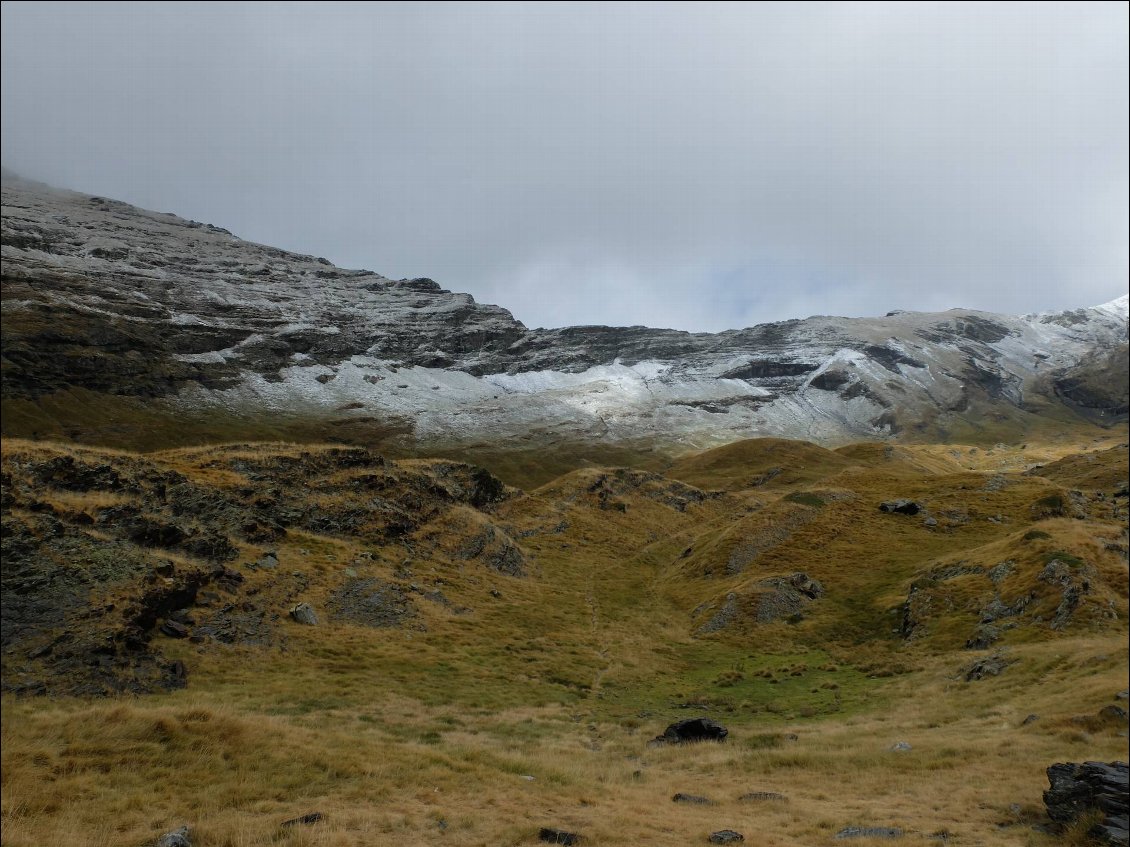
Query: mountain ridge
104	297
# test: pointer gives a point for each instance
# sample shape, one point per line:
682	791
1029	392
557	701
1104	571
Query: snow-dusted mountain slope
101	295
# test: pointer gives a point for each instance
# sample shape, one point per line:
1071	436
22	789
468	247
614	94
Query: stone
174	629
692	799
1113	713
726	836
558	836
304	614
176	838
1030	719
901	747
311	818
693	730
992	665
902	506
1078	789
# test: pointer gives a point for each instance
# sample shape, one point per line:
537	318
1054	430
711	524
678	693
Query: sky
693	166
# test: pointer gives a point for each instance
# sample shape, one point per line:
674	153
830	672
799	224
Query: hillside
489	660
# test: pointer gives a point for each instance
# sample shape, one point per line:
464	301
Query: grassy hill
490	660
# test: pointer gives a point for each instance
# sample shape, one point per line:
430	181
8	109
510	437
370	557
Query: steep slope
149	323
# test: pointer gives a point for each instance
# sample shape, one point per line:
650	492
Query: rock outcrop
1077	789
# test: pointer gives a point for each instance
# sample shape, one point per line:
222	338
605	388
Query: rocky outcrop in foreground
1078	789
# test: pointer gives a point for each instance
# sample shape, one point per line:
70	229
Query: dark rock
726	836
1032	718
176	838
692	730
1113	713
312	817
869	832
558	836
902	506
989	666
830	380
302	613
174	629
1077	789
691	799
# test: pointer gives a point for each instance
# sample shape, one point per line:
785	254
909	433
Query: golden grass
429	733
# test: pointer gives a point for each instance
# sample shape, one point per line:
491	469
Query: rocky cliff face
103	296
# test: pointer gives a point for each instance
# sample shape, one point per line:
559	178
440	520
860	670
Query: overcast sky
693	166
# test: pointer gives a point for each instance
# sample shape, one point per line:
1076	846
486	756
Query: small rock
992	665
303	614
174	629
1113	713
930	521
268	561
901	747
558	836
693	799
176	838
902	506
1122	695
312	817
1030	719
869	832
692	730
726	836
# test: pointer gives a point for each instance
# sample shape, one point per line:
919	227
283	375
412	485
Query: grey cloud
681	165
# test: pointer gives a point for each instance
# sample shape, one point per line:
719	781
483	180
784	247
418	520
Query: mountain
125	314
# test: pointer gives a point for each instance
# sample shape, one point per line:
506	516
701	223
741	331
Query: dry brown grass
568	674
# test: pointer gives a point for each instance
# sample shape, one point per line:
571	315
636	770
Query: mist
691	166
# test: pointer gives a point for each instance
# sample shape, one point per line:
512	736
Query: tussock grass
432	731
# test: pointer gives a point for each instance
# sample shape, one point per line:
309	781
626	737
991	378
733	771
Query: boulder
302	613
174	629
176	838
726	836
992	665
307	819
558	836
902	506
693	730
1077	789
